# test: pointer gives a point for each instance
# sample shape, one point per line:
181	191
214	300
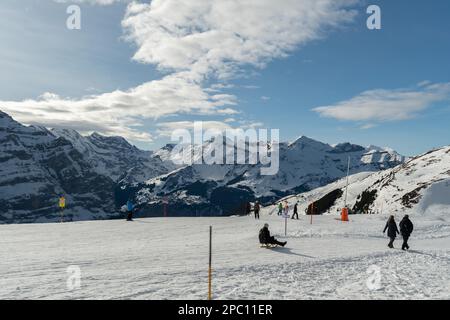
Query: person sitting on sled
265	238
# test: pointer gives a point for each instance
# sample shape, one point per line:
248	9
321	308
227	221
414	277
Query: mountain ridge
99	173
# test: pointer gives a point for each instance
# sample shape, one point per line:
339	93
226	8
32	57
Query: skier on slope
406	228
392	229
62	206
265	237
280	209
295	211
257	209
130	209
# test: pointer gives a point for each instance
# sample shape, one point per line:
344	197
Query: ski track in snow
167	259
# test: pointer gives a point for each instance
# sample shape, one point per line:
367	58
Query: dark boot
278	243
391	243
405	242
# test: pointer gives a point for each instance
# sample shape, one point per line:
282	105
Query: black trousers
130	216
295	214
256	214
391	243
405	242
272	240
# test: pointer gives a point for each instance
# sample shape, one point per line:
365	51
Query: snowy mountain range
98	174
305	164
422	184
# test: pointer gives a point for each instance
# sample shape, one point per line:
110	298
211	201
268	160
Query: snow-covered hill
305	164
421	184
168	259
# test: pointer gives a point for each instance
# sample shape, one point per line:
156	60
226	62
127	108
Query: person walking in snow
280	209
406	228
62	206
257	209
286	209
265	238
130	209
392	229
295	211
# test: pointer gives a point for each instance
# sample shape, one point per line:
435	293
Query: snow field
168	259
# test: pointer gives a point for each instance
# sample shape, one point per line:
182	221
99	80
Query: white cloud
387	105
216	37
194	42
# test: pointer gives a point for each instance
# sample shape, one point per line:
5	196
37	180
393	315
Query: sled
268	246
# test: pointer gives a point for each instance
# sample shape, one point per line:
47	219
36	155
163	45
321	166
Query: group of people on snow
283	209
256	209
406	228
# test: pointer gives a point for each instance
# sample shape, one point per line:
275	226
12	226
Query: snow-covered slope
223	189
168	259
421	184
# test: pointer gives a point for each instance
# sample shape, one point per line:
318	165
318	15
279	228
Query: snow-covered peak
6	121
303	141
347	148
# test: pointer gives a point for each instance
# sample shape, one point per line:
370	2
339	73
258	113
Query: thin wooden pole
210	265
285	225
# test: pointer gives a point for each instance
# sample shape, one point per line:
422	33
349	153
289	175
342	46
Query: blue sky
387	87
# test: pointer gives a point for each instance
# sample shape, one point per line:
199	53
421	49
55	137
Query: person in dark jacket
130	209
392	229
406	228
266	238
257	208
295	211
